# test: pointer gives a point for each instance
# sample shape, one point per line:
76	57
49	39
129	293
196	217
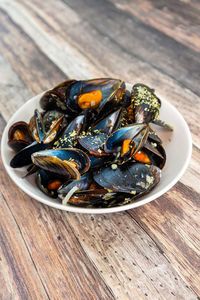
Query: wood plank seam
12	9
92	262
26	246
20	29
136	56
23	290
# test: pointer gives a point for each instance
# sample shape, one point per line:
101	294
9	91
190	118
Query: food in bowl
92	145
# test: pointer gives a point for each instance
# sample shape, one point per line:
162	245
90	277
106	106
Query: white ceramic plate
178	146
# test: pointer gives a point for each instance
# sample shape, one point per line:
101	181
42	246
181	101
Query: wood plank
19	278
31	65
192	175
141	41
60	53
115	65
175	229
130	262
177	19
63	266
14	93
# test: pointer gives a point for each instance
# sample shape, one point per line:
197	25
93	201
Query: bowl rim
69	208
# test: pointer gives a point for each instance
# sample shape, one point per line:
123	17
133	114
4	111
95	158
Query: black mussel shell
100	198
23	157
39	126
77	185
110	123
153	137
133	178
126	100
94	140
145	104
19	136
68	138
55	98
49	182
63	161
95	94
90	198
115	141
51	116
98	161
156	154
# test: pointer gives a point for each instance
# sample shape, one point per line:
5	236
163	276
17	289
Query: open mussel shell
92	197
131	147
51	116
63	161
55	98
67	190
39	126
156	153
94	140
43	132
19	136
87	199
95	93
153	137
110	123
53	130
133	178
68	138
117	138
23	157
49	182
144	103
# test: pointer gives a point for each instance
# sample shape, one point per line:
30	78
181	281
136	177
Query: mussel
95	138
56	98
42	139
49	182
19	136
99	94
63	161
134	178
127	140
145	106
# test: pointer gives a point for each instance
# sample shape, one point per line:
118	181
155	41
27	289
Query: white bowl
178	146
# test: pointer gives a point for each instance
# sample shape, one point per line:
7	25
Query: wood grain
177	19
19	278
145	44
128	259
151	252
81	37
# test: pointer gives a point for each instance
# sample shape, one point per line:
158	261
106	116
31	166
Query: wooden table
151	252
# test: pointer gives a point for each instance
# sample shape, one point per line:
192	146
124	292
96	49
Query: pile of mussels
92	145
